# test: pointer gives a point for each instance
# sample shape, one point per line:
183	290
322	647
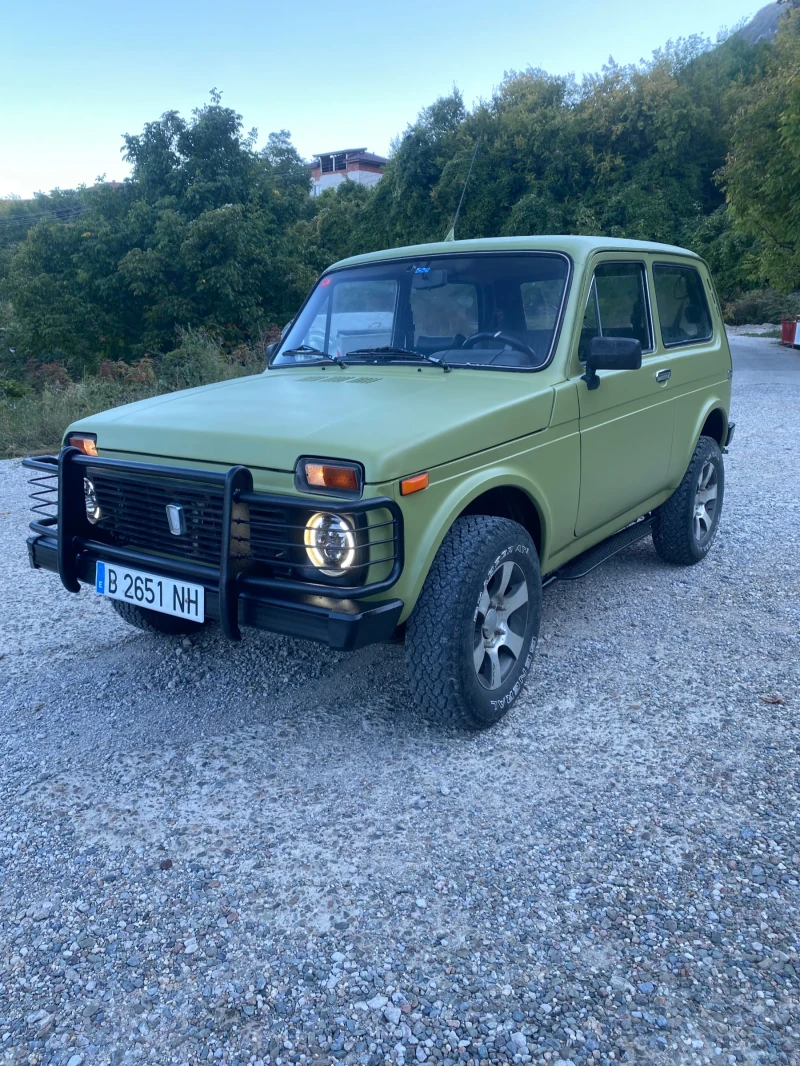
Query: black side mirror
611	353
271	349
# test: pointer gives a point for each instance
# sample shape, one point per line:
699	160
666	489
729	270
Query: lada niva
441	430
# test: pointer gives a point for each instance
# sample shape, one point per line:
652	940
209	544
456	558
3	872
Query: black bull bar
332	613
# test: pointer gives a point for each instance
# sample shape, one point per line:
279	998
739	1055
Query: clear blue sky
336	73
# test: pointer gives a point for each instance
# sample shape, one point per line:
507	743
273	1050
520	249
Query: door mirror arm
590	377
611	353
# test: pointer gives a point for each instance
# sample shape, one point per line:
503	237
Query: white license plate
162	594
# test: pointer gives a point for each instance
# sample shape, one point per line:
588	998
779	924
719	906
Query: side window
682	305
617	306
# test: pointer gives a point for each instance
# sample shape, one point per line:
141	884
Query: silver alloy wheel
705	503
500	623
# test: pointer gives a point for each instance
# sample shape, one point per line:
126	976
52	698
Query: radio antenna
451	234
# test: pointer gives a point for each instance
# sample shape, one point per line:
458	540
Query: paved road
259	853
757	361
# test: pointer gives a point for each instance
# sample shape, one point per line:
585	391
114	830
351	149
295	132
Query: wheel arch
715	425
509	501
711	421
507	494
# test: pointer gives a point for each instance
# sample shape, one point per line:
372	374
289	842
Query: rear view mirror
611	353
425	278
272	349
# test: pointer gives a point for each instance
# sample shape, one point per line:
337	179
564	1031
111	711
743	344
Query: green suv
441	430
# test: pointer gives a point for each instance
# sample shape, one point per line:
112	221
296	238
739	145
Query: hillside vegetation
211	244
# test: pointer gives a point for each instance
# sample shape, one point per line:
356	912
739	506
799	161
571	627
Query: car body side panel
626	443
545	469
626	427
699	379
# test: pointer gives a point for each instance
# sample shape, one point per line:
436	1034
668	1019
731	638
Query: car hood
394	420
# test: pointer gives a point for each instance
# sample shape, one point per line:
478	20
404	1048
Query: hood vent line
341	379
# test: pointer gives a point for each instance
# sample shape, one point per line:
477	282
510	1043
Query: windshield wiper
307	349
389	352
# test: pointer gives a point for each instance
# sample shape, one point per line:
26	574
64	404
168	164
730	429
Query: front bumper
341	624
64	546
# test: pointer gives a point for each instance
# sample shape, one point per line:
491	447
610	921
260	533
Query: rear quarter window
682	305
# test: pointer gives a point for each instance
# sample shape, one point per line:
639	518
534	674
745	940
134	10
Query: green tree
762	174
197	237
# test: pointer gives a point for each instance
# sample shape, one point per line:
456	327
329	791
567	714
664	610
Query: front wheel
471	636
686	525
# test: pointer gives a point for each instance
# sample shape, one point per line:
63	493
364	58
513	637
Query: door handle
663	376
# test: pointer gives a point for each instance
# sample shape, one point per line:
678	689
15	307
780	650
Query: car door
626	423
699	357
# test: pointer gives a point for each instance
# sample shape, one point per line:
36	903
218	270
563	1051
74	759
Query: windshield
490	311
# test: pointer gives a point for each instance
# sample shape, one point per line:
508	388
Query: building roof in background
340	151
354	155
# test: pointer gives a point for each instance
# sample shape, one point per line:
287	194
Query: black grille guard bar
237	487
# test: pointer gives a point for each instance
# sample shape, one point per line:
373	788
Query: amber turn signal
414	484
84	442
330	476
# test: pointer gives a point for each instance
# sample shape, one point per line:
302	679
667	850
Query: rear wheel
471	637
154	621
686	525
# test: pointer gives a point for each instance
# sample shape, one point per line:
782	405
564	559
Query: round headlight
90	499
330	543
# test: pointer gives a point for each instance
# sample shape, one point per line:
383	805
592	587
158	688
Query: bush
759	306
10	389
199	360
34	420
50	375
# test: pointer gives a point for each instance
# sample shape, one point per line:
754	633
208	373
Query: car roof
578	248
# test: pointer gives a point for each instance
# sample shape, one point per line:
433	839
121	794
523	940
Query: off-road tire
441	631
674	532
154	621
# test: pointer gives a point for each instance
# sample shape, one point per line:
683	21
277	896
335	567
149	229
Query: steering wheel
506	338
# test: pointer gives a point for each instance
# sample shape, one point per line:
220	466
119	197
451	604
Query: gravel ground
259	854
752	330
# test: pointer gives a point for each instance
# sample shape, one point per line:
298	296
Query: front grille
270	535
134	514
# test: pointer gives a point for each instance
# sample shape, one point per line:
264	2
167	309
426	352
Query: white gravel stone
247	810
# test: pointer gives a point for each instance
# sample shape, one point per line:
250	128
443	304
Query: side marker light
416	483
